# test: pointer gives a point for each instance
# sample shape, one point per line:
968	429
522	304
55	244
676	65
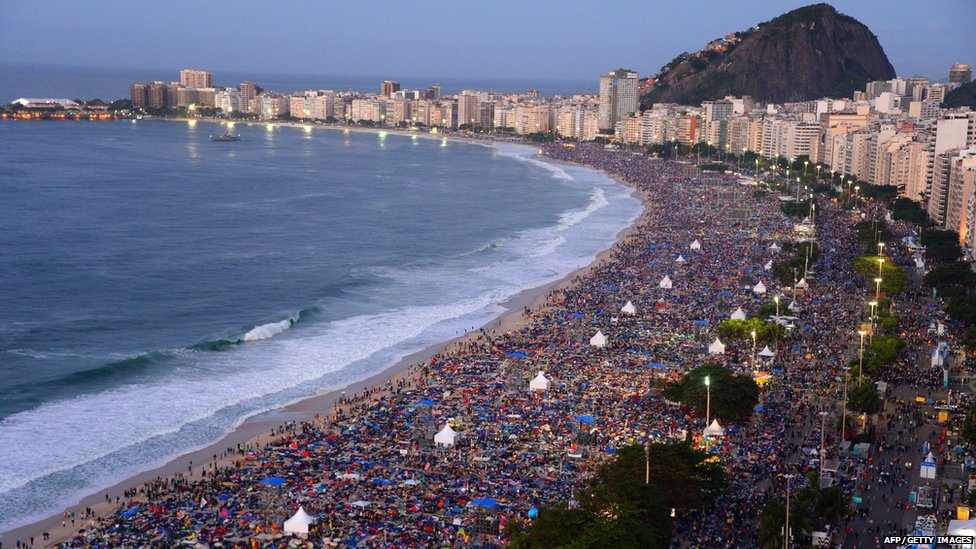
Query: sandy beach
258	431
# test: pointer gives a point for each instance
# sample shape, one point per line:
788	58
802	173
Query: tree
969	426
618	508
893	278
882	351
950	274
766	332
863	397
941	246
908	210
731	395
773	518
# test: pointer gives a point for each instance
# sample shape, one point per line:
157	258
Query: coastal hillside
805	54
963	96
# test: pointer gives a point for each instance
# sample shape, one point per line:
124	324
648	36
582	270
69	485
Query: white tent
774	247
769	265
919	263
665	282
716	348
540	383
962	528
298	523
937	359
714	430
696	245
766	352
445	437
759	288
802	284
598	340
739	314
928	466
792	306
681	259
629	308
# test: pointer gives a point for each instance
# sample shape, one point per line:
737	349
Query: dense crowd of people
369	473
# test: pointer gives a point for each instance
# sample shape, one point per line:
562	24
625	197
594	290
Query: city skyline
546	40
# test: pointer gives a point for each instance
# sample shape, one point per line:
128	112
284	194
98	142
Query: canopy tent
445	437
928	466
714	430
766	352
802	284
769	265
759	288
681	259
629	308
696	245
298	523
716	348
937	359
919	263
774	247
598	340
792	306
962	527
739	314
665	282
540	383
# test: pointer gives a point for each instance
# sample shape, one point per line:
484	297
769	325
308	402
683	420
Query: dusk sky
503	39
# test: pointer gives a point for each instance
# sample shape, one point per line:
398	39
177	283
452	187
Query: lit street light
860	360
754	369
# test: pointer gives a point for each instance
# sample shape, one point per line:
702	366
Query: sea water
157	288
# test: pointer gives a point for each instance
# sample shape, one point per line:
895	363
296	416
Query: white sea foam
267	331
527	154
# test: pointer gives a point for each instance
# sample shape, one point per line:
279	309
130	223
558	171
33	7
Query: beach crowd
370	474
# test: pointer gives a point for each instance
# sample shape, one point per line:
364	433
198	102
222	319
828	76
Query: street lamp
818	172
860	363
805	162
881	246
754	352
708	400
877	289
857	190
776	299
823	422
786	527
873	304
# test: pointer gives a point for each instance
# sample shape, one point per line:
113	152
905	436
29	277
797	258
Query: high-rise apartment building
248	93
389	87
196	79
960	73
618	97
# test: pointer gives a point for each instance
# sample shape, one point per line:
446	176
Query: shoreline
255	431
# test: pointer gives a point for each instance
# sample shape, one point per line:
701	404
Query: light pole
647	462
860	359
754	369
818	171
805	162
873	304
776	299
843	420
708	400
857	190
877	289
798	189
880	265
823	422
786	528
881	246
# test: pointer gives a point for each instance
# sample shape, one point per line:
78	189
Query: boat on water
227	136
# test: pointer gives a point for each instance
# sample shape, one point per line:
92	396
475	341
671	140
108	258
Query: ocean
18	80
159	288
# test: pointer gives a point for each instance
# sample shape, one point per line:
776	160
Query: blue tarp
425	402
584	419
777	371
576	315
701	323
656	365
516	355
487	503
273	481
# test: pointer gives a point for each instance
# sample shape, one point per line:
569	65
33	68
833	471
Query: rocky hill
808	53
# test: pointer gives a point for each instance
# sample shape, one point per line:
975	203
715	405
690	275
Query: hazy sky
565	39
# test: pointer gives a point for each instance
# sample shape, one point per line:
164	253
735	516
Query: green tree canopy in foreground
619	509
